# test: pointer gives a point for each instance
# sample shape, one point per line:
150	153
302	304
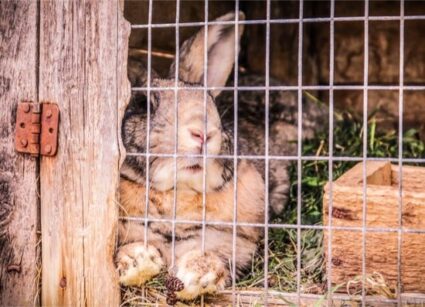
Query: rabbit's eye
211	135
197	135
154	101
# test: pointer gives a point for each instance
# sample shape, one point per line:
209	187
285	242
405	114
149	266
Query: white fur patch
138	264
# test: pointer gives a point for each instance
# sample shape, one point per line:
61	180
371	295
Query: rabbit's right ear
220	51
137	71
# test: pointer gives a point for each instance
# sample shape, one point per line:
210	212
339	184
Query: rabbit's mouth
194	168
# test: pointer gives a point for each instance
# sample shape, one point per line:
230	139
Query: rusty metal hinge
37	128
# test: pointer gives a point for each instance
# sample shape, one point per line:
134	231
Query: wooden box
382	224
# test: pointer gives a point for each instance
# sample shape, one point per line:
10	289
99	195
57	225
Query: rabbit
283	130
199	271
207	271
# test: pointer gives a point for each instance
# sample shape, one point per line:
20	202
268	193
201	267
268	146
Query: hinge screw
24	142
26	108
48	148
49	113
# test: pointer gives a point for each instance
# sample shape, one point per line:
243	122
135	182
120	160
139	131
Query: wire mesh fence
297	158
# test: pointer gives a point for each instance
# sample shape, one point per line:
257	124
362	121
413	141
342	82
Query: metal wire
266	152
272	157
278	21
176	120
299	147
400	155
149	68
205	149
235	154
365	108
272	225
365	87
288	88
331	146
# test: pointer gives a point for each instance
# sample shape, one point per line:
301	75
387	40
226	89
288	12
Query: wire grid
400	151
299	158
365	104
266	151
330	133
299	148
235	158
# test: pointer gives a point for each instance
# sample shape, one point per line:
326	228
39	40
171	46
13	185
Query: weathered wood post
83	48
19	256
79	62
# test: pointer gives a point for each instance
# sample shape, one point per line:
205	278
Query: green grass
348	141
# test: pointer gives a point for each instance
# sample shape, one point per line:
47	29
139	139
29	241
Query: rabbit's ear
137	71
221	53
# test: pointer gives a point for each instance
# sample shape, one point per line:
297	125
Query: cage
300	96
317	66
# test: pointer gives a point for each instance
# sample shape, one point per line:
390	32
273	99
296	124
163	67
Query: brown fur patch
219	207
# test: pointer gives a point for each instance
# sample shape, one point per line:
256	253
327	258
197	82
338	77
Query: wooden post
83	47
19	256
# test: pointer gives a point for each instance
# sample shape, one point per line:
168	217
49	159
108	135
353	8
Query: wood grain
82	65
382	211
255	297
19	256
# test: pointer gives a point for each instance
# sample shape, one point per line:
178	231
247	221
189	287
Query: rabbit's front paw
200	274
138	263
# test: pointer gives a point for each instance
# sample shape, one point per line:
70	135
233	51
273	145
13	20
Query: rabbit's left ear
220	51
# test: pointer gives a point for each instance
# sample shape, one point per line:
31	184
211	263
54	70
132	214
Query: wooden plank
106	75
382	210
63	189
255	297
79	57
377	172
19	255
382	207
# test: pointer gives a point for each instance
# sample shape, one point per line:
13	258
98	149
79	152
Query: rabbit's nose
198	136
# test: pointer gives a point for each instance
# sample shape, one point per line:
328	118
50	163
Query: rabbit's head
195	115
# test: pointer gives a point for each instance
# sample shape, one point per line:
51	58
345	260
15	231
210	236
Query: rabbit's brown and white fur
201	272
208	271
